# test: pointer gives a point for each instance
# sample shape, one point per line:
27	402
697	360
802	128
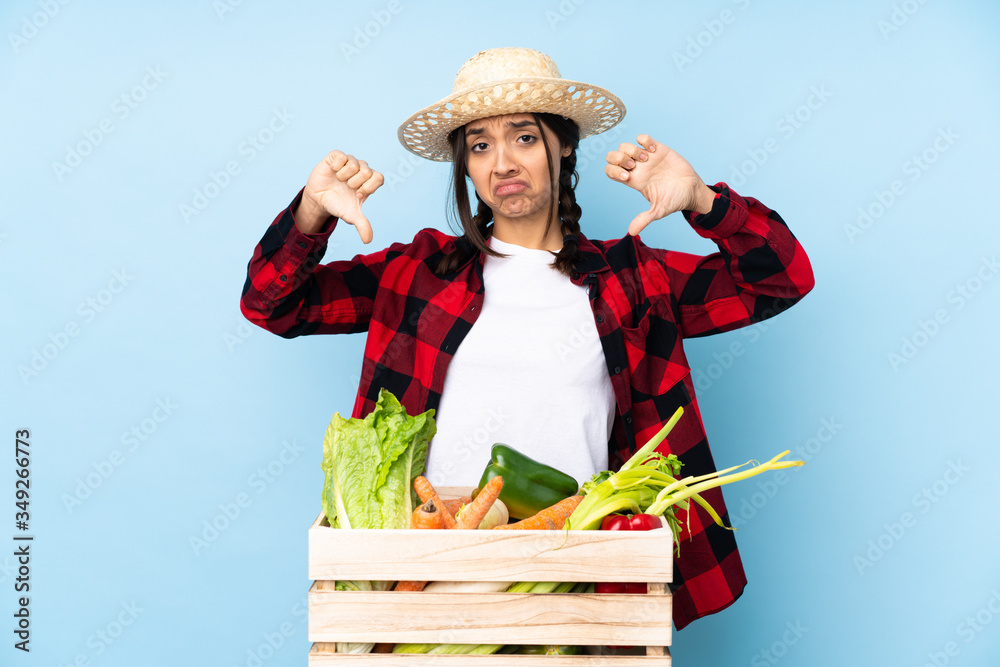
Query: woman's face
506	161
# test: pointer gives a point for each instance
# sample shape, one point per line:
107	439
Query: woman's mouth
509	187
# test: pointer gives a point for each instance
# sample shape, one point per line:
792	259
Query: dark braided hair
474	227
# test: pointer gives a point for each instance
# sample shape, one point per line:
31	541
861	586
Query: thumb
640	221
361	224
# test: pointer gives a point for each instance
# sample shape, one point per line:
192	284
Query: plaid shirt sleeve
289	293
759	271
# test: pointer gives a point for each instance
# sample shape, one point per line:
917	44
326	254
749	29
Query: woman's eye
526	138
477	147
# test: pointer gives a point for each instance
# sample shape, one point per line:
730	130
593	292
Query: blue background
873	553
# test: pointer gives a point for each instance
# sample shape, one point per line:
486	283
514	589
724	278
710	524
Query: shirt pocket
655	360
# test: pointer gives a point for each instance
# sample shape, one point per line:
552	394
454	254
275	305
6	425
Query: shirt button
283	278
628	420
576	276
600	318
618	369
302	244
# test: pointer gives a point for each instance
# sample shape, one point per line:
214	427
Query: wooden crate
593	620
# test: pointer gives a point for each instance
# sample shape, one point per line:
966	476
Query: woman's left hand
663	177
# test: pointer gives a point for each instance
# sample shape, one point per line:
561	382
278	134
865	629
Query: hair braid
569	215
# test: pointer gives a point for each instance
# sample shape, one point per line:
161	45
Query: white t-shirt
530	373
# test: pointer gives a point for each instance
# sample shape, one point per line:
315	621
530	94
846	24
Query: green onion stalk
648	484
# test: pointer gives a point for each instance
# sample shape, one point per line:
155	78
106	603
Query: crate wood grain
323	655
489	618
484	555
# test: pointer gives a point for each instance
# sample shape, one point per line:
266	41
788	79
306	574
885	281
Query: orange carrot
410	585
474	512
550	518
455	504
426	492
427	515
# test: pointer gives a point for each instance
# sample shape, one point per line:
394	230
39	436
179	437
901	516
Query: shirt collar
592	260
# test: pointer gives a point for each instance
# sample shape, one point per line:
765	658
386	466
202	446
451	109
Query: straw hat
504	81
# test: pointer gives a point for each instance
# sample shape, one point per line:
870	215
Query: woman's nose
503	162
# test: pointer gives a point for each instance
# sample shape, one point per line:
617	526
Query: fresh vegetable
529	486
426	492
369	467
497	516
473	513
453	505
621	522
468	586
646	484
550	518
550	650
427	516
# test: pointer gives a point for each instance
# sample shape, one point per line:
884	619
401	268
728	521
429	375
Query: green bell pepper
528	486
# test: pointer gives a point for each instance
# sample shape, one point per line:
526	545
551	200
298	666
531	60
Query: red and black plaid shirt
645	301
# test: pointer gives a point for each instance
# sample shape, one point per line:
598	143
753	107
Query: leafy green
370	465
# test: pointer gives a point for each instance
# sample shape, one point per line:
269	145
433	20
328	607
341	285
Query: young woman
522	330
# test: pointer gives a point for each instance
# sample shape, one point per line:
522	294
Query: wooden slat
490	618
485	555
322	655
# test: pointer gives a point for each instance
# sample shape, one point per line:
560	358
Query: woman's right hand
338	186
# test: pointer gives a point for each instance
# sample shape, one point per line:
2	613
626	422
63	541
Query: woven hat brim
593	108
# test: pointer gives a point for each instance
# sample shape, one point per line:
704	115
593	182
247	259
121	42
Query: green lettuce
370	465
